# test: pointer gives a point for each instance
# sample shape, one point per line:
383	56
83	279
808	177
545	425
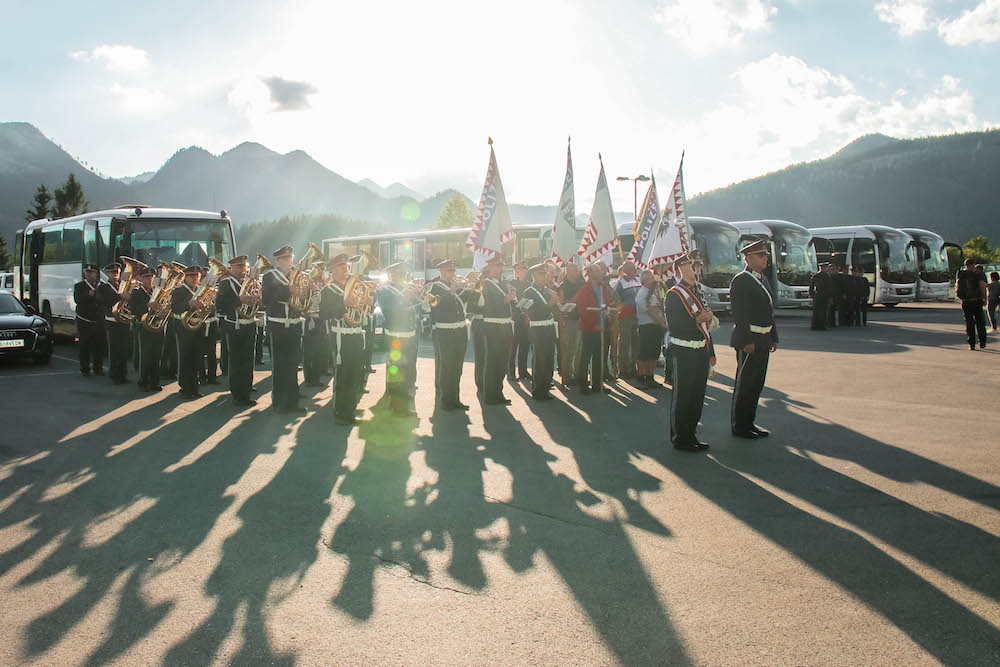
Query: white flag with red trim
602	234
673	238
492	227
564	245
646	227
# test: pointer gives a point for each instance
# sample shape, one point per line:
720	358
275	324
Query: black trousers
189	358
499	340
975	321
168	362
314	349
992	310
543	359
861	312
150	345
400	371
592	356
521	343
92	346
118	349
478	333
240	343
751	371
286	347
347	385
831	312
688	368
449	359
819	315
208	342
224	349
259	346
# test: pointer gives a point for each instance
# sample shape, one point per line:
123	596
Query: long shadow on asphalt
737	477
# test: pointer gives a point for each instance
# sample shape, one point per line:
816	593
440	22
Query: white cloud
908	17
116	57
707	25
785	111
981	24
138	100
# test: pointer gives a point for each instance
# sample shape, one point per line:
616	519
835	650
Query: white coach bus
423	249
793	259
886	257
50	254
933	274
718	242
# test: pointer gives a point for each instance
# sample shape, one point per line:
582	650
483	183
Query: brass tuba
120	310
252	287
300	281
362	290
205	296
156	319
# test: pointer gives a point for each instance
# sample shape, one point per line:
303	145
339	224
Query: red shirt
586	299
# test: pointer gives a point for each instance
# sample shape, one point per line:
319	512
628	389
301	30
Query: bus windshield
933	267
189	242
894	266
718	249
796	260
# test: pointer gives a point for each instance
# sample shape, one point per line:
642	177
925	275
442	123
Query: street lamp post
641	178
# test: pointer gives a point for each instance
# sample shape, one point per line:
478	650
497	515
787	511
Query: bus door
19	266
34	247
863	256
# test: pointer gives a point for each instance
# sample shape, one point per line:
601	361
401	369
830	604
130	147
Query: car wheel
47	313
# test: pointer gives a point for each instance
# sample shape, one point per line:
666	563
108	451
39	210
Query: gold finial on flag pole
490	140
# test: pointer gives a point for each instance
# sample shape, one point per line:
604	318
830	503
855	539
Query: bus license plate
12	343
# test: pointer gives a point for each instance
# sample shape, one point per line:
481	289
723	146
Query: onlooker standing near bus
970	287
993	298
628	330
89	321
863	294
649	316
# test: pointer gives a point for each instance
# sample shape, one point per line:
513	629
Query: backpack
967	284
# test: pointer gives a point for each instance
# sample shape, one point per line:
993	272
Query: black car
22	332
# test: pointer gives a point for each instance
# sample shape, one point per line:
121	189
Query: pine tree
6	261
40	204
69	199
455	214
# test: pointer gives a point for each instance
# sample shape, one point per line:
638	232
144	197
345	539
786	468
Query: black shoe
687	446
85	373
543	397
156	387
747	435
345	421
701	445
99	371
761	432
143	387
524	376
298	409
460	406
405	412
252	389
586	391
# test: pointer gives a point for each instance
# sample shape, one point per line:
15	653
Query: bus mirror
960	249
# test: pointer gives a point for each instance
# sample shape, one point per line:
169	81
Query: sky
410	91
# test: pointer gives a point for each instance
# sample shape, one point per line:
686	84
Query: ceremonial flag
492	227
646	227
673	238
602	234
564	229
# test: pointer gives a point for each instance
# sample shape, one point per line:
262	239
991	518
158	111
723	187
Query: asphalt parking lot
142	529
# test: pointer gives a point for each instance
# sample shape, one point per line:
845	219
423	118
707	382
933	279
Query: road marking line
29	375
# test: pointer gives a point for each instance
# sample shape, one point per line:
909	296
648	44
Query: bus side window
115	239
72	243
840	251
51	244
863	255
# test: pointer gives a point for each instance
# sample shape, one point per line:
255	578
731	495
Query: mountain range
946	183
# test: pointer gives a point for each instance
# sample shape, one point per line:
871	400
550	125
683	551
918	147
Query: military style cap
541	266
113	266
242	259
340	258
692	257
90	267
520	264
192	270
754	247
447	264
398	267
495	259
283	250
148	271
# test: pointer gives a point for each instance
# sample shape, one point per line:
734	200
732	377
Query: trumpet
301	280
472	281
120	310
252	287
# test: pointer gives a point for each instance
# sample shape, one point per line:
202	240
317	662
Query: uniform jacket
88	308
274	293
227	299
587	298
108	295
451	307
397	310
331	303
751	306
138	301
819	285
492	300
179	299
682	324
539	309
864	288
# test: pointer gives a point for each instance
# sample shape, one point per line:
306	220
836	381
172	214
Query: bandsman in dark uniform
314	348
239	331
117	333
521	342
754	338
347	342
149	343
690	353
542	329
863	295
284	326
208	341
190	348
498	330
398	303
89	321
451	336
819	292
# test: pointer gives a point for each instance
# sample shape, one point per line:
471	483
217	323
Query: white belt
498	320
239	320
84	319
401	334
347	330
449	325
476	317
760	330
212	320
176	316
109	319
693	344
543	323
285	320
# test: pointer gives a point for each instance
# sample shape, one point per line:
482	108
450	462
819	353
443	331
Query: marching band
319	314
